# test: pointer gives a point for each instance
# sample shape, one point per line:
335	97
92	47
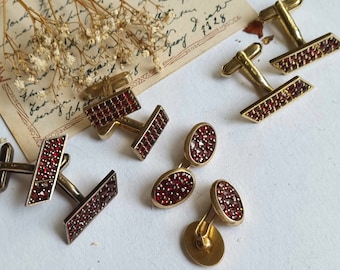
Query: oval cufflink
304	53
202	241
276	98
175	186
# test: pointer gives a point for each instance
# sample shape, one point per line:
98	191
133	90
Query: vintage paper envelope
195	27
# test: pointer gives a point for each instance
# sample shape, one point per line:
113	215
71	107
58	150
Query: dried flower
68	49
20	84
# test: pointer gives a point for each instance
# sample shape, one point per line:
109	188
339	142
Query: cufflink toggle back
275	99
304	53
202	241
175	186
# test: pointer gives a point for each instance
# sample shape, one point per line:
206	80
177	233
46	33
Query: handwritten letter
196	26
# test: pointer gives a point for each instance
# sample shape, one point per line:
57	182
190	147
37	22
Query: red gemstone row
276	101
92	206
46	169
174	188
308	55
203	144
112	108
151	135
229	201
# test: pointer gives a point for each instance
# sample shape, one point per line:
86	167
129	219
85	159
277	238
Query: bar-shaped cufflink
45	171
112	108
146	133
304	53
88	207
276	98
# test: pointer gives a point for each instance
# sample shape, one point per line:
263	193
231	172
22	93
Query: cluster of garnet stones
151	134
277	100
307	55
202	144
93	204
112	108
46	169
229	201
174	188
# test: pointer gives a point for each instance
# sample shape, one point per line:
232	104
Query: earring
304	53
202	241
175	186
275	99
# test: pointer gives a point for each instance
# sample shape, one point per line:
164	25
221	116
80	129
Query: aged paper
195	27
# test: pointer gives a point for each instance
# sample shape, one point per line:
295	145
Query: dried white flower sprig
65	51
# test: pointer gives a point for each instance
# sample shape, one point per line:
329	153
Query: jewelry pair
47	174
303	54
203	242
111	112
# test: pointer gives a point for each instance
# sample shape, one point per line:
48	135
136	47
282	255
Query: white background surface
286	170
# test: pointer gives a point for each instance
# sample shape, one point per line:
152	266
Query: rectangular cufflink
114	107
90	207
46	170
276	99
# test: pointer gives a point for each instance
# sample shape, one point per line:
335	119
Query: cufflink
146	133
109	114
276	98
88	207
202	241
175	186
111	108
304	53
45	171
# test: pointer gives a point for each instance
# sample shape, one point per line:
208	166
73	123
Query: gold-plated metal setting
276	98
175	186
304	53
146	134
202	241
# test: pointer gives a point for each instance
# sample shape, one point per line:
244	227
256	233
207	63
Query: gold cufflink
304	53
275	99
175	186
111	108
88	207
110	113
146	134
202	241
45	171
48	168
